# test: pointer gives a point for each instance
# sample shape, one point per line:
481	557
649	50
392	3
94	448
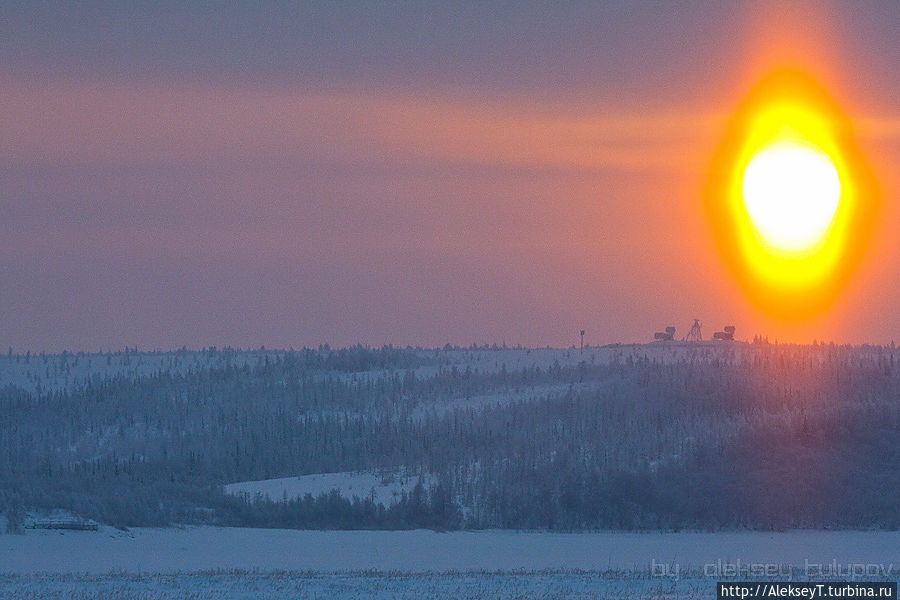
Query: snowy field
208	562
362	585
205	548
387	488
376	585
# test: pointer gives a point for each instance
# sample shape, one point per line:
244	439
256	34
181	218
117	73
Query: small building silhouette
665	336
726	335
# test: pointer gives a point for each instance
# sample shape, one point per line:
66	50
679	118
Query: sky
195	174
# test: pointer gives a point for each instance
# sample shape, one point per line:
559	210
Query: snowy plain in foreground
210	548
244	564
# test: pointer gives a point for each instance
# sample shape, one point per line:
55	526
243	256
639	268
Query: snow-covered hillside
561	439
48	372
384	488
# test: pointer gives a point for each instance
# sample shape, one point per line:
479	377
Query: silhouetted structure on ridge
695	334
726	335
665	336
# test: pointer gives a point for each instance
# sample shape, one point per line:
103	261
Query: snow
276	585
388	486
211	548
519	358
532	393
64	371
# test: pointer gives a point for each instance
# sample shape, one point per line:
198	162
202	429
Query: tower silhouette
695	335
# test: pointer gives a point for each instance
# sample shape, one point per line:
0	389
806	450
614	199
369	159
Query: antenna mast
695	335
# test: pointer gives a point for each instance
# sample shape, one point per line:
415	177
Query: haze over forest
715	435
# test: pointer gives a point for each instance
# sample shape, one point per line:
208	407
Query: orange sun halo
789	198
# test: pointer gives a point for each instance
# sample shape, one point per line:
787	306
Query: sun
791	202
791	191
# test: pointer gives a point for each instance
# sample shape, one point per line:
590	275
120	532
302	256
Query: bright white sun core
791	190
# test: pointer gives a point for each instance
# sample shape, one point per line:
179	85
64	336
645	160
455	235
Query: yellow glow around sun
790	199
791	191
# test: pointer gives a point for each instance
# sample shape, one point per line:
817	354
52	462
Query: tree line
769	438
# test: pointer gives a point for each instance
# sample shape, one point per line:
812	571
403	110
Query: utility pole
582	340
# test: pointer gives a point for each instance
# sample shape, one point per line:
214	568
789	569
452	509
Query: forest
743	436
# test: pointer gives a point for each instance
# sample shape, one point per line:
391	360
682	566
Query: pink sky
158	211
